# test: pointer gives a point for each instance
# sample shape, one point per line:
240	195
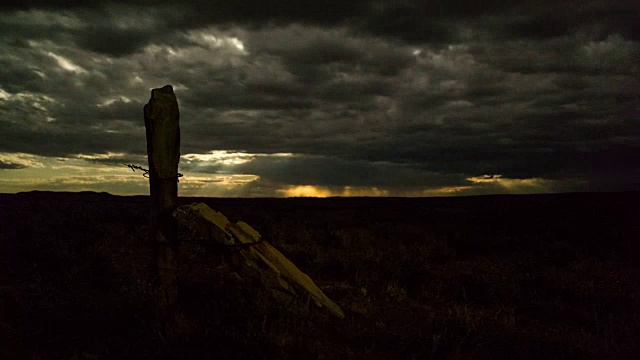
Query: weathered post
161	119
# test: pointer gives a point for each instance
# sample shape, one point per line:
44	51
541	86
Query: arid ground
490	277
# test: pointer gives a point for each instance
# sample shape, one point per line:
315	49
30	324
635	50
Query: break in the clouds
284	98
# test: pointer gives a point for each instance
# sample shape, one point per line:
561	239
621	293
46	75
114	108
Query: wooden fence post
161	119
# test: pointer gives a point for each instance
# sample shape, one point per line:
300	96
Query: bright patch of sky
67	64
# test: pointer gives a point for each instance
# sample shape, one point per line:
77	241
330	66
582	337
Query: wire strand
147	175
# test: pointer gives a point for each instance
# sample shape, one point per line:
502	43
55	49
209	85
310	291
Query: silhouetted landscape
495	277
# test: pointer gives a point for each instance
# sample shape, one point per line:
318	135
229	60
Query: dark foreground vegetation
495	277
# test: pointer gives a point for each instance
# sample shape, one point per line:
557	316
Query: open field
491	277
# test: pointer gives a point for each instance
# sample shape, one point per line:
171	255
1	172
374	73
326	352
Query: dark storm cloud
332	172
539	27
612	55
309	51
110	41
119	28
541	20
413	21
550	141
67	141
119	110
117	160
111	29
397	94
10	166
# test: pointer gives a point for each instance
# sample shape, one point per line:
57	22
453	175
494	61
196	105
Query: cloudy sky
325	98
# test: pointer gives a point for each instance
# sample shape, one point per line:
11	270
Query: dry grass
413	282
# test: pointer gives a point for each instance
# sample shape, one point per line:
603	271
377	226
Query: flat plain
488	277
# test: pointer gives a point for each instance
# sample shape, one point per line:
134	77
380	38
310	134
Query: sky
325	98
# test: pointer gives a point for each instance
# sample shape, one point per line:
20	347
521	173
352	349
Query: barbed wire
146	173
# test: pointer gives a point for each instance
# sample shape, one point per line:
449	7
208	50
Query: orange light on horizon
305	191
321	192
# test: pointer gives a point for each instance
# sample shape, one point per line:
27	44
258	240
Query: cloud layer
371	98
